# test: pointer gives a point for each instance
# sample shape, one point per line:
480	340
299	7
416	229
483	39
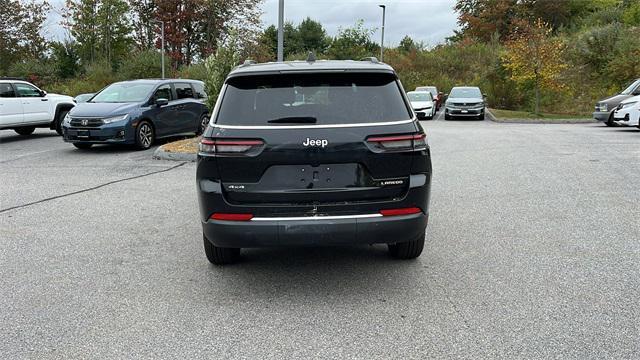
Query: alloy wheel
146	135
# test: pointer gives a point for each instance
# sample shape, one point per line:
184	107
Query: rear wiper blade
294	120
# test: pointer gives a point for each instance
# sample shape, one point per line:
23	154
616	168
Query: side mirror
43	93
484	95
445	95
162	102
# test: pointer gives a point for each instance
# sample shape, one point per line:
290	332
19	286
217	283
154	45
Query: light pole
280	30
384	10
161	43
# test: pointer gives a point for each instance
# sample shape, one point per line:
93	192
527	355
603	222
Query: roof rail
11	78
372	59
311	57
248	62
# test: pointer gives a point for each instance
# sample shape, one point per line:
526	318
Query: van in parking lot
138	112
313	153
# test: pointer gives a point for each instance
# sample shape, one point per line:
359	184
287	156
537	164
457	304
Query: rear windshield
312	99
465	93
419	96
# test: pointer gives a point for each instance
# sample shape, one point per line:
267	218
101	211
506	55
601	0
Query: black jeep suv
313	153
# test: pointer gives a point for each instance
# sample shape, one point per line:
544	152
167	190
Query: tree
20	32
480	19
535	58
353	43
407	44
101	28
65	59
194	28
144	27
219	65
312	36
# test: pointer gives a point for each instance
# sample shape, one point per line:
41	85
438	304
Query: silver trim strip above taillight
316	217
327	126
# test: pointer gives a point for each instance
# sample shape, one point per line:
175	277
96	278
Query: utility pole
280	30
161	43
384	10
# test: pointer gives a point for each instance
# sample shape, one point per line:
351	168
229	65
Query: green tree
313	36
407	44
353	43
65	59
20	32
219	65
534	59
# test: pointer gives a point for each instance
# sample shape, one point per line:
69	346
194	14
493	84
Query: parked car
24	107
628	112
138	112
464	102
423	104
604	108
313	153
83	98
438	96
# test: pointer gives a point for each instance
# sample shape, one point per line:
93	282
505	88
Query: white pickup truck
24	107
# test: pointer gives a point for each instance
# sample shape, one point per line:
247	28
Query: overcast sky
430	21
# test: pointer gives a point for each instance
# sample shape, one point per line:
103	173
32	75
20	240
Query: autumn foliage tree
534	58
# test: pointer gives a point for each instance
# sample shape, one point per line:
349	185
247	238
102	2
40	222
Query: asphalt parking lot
533	251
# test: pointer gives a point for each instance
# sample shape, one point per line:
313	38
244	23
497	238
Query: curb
161	154
534	121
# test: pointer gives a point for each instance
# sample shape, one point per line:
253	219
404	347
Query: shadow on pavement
15	137
317	271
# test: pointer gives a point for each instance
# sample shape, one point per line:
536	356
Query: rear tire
407	250
82	146
220	256
27	130
60	120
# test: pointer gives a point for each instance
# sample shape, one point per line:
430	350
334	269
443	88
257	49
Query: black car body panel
320	183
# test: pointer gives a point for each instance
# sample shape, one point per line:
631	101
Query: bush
144	65
218	66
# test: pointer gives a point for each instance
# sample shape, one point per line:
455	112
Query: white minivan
24	107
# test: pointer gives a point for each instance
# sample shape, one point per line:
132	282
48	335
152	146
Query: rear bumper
315	231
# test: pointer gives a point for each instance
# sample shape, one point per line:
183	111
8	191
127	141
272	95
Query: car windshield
631	87
465	93
123	93
312	99
431	89
419	96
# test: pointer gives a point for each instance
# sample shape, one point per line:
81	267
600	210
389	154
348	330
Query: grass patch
525	116
187	146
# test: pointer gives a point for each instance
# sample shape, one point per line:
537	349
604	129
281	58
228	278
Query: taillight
413	142
232	217
402	211
230	146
